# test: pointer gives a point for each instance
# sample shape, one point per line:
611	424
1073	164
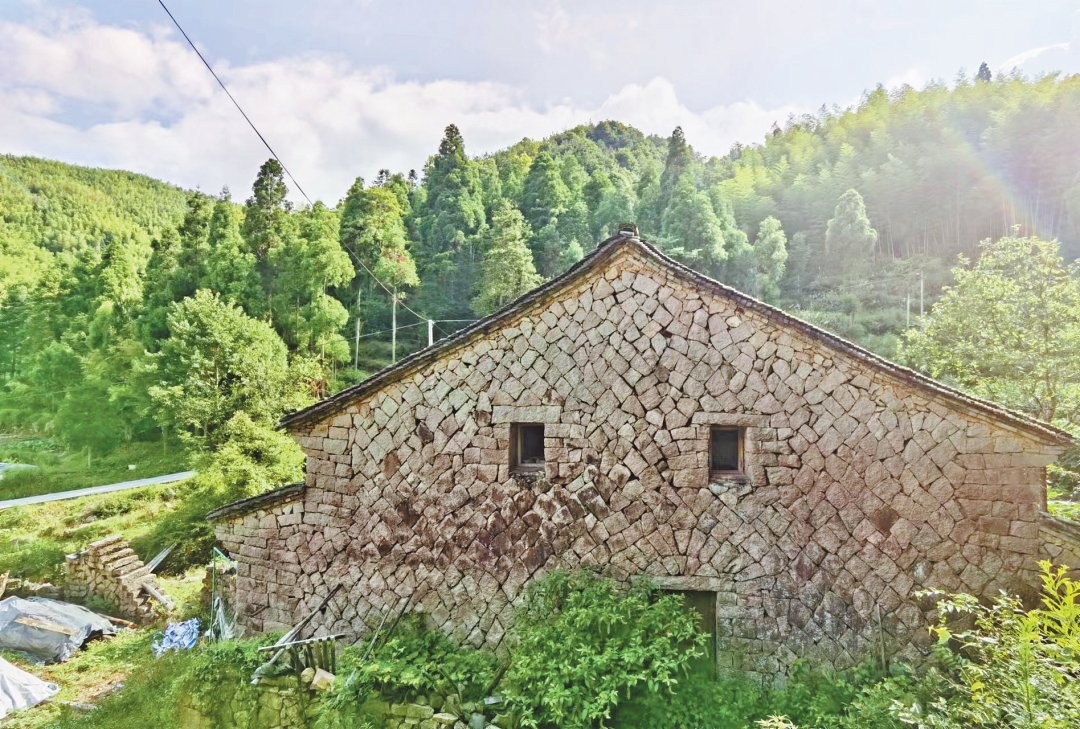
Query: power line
255	129
233	99
387	331
384	286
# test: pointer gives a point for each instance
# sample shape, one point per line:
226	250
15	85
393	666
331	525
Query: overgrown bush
582	645
697	701
214	673
1011	669
254	459
415	663
810	696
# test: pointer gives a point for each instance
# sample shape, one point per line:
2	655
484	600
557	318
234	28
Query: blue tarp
177	637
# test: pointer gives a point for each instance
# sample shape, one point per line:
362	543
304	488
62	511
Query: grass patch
34	539
1065	509
58	470
89	673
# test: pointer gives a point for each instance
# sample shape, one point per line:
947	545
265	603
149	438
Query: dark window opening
527	446
703	604
726	451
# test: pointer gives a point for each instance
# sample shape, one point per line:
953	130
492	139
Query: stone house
635	416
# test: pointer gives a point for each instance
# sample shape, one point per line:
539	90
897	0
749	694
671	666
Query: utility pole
356	345
356	341
430	332
921	287
393	326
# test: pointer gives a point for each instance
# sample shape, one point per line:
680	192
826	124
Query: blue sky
345	88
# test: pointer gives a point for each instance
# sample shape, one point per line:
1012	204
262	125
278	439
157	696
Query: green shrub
415	663
697	701
583	645
1013	668
214	673
818	696
813	697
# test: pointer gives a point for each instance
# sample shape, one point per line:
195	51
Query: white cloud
81	91
1054	56
1022	58
913	77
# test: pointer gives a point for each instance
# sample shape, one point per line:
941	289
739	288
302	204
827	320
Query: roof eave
240	507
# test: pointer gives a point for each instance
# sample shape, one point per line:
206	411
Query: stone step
123	566
137	574
102	543
112	553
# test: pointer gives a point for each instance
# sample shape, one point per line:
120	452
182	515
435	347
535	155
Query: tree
451	217
984	73
692	230
230	265
373	228
306	265
267	227
849	238
216	362
545	199
678	163
1008	329
507	271
265	209
770	259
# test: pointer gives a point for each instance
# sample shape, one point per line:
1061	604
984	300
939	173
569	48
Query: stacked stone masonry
862	486
1060	540
109	570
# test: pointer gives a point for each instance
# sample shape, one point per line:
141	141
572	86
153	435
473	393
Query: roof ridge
604	250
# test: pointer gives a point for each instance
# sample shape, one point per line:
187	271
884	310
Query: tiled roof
261	501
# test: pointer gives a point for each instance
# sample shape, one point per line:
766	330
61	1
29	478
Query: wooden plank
43	625
305	641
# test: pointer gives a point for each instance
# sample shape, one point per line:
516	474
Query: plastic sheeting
177	637
48	629
19	689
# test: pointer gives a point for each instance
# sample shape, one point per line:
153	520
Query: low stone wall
1061	541
109	570
281	704
407	716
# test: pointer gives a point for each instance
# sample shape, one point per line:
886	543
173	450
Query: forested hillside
131	310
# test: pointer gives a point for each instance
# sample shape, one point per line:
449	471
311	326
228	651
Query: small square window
526	447
726	451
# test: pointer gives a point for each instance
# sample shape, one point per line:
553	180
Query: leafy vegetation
58	469
995	666
581	645
1004	667
1008	329
415	663
113	286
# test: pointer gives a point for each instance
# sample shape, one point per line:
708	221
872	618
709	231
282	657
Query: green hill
849	217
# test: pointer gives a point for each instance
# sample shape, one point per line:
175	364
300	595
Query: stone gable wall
1060	542
862	488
